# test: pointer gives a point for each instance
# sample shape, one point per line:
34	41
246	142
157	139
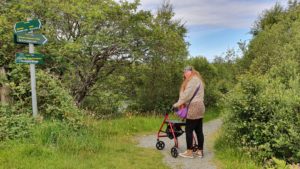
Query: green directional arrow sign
27	26
29	58
26	38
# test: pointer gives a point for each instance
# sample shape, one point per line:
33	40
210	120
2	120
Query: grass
229	157
104	144
211	114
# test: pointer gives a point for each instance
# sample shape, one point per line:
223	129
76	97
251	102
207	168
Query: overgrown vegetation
104	60
263	109
101	144
108	59
14	126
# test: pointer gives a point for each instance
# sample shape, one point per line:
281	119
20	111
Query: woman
196	109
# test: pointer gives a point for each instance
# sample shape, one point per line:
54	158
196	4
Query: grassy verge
104	144
211	114
228	157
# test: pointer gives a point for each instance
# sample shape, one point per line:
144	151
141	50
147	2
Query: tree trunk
4	95
4	89
81	92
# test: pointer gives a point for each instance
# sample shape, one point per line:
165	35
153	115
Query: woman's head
188	73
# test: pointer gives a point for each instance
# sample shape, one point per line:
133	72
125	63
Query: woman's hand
176	105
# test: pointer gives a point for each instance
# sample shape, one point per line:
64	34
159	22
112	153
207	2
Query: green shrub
230	156
14	126
54	102
104	104
263	113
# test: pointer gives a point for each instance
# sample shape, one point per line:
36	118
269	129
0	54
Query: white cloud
223	13
215	25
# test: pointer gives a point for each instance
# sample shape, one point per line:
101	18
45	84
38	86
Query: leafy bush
103	104
14	126
54	102
277	164
263	113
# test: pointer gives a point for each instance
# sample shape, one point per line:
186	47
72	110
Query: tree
267	19
267	90
91	38
161	67
150	83
91	41
277	43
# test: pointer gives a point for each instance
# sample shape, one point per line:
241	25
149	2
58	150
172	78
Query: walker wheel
160	145
174	152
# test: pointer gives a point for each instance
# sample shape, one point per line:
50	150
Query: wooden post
4	89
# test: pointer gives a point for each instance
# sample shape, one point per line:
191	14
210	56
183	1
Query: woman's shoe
199	153
187	154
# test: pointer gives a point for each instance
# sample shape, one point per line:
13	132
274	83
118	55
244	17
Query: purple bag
183	110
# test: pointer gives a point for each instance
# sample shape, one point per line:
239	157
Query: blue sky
215	25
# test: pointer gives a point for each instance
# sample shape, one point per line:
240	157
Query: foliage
152	82
160	75
14	126
278	41
54	102
230	156
159	88
263	113
108	99
90	43
102	143
267	19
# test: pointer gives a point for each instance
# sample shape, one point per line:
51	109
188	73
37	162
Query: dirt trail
209	128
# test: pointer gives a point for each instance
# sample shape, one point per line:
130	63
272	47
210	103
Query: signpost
29	58
26	38
27	26
23	34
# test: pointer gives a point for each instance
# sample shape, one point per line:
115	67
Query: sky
215	25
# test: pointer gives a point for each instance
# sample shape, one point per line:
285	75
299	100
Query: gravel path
209	128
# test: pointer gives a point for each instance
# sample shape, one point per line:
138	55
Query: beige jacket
187	94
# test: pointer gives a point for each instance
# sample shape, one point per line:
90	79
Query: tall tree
91	38
164	61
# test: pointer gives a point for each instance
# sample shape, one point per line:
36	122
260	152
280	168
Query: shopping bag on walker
182	111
